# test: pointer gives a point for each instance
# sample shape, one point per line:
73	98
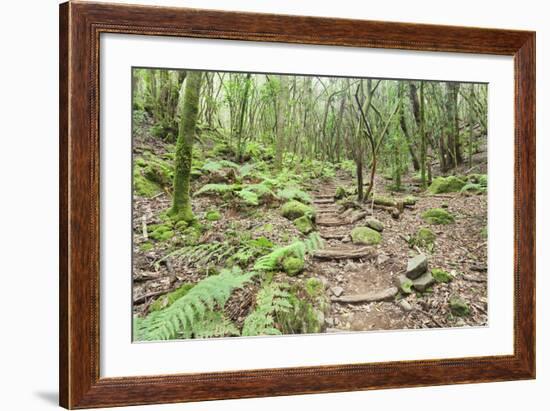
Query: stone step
332	222
323	201
382	295
344	253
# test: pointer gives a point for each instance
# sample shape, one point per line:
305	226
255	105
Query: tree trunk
282	102
181	203
422	138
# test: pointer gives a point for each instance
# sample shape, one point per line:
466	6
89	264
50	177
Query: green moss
424	238
213	215
294	209
160	232
484	231
446	185
410	200
438	216
302	317
314	287
144	187
365	235
181	225
406	286
293	265
168	299
383	200
441	276
146	246
304	225
480	179
459	307
473	188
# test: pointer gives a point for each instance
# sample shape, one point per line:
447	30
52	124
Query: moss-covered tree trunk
422	138
282	103
181	205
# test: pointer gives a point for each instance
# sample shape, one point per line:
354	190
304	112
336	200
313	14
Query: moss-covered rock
314	287
480	179
144	187
405	284
293	265
147	246
446	185
438	216
473	188
424	238
410	200
459	307
304	224
374	224
160	232
365	235
383	200
213	215
294	209
441	276
168	299
340	193
306	314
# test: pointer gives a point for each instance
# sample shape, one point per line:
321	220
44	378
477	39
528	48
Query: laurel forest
269	204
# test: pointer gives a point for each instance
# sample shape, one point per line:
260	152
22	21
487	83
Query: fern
270	300
214	324
298	249
218	165
294	193
192	314
249	197
201	254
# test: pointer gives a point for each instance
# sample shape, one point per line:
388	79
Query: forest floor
460	249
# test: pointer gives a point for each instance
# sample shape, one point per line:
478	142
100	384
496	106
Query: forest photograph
276	204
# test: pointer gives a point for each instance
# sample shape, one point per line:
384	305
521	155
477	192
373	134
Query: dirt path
354	272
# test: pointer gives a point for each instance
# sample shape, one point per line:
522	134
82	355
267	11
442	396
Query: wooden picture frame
81	24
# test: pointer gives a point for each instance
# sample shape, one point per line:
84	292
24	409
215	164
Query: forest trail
356	286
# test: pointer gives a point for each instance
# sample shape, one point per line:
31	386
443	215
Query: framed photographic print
256	205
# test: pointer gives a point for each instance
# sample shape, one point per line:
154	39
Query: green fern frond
201	254
218	165
249	197
186	315
294	193
270	300
298	249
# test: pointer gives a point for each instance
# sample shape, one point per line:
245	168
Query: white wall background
28	204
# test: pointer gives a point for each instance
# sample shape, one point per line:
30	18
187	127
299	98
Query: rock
405	305
346	239
304	224
449	184
294	209
441	276
383	295
374	224
293	265
337	291
330	322
365	235
423	282
438	216
416	266
458	306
